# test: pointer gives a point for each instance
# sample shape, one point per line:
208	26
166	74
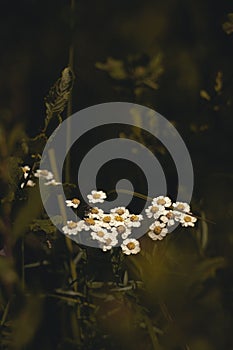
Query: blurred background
174	57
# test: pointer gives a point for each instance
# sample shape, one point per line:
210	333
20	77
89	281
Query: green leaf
46	225
37	144
115	68
206	269
228	26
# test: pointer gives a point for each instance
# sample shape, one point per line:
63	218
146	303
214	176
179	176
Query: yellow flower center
161	201
157	229
90	221
187	219
72	225
134	218
75	201
121	229
107	219
170	215
108	241
94	211
154	209
131	245
100	233
120	211
119	218
96	195
180	207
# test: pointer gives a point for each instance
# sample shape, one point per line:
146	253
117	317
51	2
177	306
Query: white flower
162	201
47	175
96	196
181	206
99	235
134	220
122	230
96	213
91	224
157	231
26	169
106	221
120	211
154	211
72	228
73	202
130	246
187	220
52	183
29	183
169	217
110	241
118	220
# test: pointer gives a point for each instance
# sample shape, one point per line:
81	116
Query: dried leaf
204	94
115	68
228	26
58	95
218	82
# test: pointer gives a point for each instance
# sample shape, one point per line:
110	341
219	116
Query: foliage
175	295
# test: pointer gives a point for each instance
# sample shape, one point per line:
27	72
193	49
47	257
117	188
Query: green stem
23	263
69	106
4	316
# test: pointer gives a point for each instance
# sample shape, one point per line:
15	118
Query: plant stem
69	105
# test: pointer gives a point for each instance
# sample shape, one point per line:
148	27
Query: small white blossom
110	241
154	211
181	206
106	221
72	228
29	183
130	246
122	230
52	183
73	202
96	197
161	201
120	211
99	235
118	220
169	217
134	220
45	174
187	220
157	231
91	224
96	213
26	169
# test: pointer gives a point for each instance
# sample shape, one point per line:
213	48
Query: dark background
35	40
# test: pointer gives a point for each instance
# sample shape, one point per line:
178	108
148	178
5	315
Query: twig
5	313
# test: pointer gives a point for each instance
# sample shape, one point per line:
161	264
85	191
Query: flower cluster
108	229
116	227
166	214
28	175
